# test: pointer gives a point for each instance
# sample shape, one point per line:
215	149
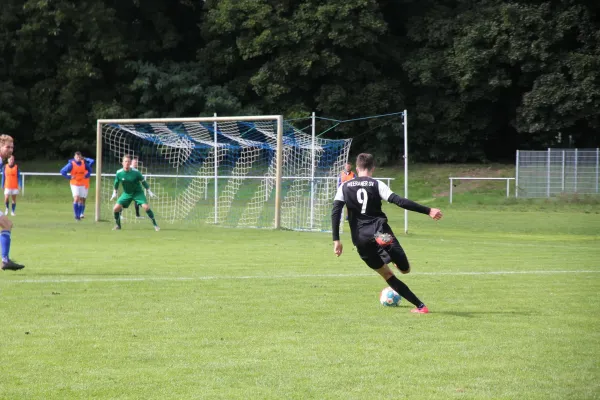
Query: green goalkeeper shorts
125	199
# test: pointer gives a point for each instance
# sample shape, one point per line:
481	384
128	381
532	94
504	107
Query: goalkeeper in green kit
132	181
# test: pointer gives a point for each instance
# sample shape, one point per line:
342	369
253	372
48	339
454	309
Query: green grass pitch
201	312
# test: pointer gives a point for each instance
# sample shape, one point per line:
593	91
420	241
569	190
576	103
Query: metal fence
474	178
556	171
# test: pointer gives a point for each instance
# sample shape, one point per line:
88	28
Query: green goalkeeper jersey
132	181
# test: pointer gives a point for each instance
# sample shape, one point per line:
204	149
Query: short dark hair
126	156
365	161
78	153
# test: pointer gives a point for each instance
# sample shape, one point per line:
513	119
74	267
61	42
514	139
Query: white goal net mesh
225	172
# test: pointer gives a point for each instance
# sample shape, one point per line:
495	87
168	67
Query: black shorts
376	256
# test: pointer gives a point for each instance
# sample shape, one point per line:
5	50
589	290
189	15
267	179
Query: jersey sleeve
88	169
384	191
66	170
339	195
143	180
116	184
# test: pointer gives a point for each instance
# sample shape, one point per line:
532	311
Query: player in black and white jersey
371	234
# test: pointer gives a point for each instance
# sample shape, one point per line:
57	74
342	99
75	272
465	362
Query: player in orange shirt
11	182
346	175
84	194
7	146
77	171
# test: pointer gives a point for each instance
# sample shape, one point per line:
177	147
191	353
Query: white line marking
270	277
507	242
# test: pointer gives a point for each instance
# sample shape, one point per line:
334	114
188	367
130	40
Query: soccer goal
251	171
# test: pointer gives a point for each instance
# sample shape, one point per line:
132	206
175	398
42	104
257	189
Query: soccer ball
389	297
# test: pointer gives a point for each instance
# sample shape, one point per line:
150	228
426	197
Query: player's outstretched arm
386	194
408	204
435	213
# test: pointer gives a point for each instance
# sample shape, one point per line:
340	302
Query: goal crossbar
278	161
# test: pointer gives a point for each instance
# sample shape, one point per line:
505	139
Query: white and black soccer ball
389	297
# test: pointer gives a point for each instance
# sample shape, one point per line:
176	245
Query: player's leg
83	198
5	240
122	202
14	205
371	255
394	251
117	213
140	198
6	200
82	209
146	208
137	210
398	256
75	192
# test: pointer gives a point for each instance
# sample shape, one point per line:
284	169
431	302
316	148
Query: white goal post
239	171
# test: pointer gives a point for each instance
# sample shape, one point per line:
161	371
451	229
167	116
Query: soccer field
212	313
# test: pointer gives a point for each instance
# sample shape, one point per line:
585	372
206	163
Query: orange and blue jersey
11	177
345	177
76	171
90	162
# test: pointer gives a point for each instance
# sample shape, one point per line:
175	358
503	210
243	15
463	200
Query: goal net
231	171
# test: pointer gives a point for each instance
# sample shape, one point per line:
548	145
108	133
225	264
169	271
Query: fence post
548	174
450	190
563	173
312	170
23	183
216	169
517	177
507	187
575	174
597	166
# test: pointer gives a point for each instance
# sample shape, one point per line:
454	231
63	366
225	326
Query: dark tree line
479	78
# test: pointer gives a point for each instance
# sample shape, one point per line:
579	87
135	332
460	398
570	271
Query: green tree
79	59
334	57
493	76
